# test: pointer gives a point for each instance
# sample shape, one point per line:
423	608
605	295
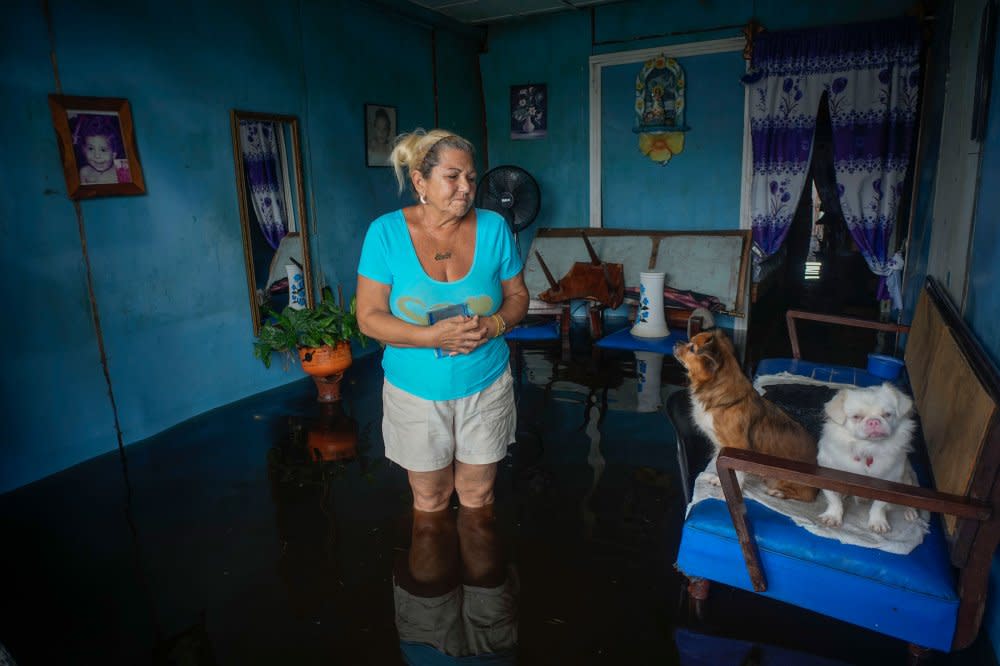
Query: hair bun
410	151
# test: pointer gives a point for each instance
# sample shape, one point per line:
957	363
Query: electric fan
512	192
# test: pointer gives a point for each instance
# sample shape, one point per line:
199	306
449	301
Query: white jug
650	321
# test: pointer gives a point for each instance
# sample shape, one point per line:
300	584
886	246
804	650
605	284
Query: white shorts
428	435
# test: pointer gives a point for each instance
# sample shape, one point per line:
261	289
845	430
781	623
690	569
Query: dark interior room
539	332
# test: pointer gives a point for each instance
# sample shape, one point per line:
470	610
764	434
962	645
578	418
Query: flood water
221	541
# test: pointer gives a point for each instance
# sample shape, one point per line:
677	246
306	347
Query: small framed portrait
529	117
380	131
97	144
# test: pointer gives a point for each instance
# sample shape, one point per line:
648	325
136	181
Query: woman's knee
424	500
431	492
474	484
474	493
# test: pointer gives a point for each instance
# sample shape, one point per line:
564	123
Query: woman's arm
458	334
513	308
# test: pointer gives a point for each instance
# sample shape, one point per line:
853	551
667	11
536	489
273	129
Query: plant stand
328	387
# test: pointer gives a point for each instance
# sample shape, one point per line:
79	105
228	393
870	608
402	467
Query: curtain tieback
891	271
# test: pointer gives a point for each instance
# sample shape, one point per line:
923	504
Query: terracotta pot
326	365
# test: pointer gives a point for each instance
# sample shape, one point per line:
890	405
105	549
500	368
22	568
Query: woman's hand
459	335
488	327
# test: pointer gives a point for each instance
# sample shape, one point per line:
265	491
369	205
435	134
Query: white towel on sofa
904	536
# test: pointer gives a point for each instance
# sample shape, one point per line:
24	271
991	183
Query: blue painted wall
928	151
700	187
52	390
460	100
551	50
167	267
982	310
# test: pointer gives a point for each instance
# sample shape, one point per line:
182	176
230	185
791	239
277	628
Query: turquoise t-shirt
388	256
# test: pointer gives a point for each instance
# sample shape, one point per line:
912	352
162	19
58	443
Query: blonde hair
420	151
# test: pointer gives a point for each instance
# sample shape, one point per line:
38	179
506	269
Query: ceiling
478	12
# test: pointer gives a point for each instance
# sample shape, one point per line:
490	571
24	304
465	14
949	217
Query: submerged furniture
709	262
931	598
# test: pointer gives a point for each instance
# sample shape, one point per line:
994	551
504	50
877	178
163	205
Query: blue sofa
932	598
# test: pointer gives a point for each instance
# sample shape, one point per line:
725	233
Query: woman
448	403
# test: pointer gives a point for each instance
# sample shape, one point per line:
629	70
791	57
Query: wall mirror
272	212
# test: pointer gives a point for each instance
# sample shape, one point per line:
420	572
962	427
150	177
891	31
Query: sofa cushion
910	597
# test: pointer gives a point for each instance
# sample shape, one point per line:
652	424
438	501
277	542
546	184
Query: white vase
649	319
647	369
296	287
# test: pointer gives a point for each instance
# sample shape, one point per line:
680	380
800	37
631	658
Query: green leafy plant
325	324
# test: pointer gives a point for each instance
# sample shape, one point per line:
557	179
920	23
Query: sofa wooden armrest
732	460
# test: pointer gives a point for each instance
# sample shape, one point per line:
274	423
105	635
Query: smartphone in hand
447	312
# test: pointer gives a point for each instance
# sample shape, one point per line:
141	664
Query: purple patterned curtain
870	73
265	180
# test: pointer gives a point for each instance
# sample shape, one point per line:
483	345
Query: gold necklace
438	256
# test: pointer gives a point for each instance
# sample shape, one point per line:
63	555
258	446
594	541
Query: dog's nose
873	424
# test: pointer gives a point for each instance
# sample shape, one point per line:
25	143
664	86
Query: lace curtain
870	74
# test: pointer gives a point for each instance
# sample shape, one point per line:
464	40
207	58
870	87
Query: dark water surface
221	541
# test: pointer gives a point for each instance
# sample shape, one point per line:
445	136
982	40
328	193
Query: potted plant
320	335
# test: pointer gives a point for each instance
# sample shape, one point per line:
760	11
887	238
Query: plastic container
886	367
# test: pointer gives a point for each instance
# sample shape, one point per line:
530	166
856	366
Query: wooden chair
932	598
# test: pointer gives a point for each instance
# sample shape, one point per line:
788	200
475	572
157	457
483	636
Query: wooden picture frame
97	146
380	131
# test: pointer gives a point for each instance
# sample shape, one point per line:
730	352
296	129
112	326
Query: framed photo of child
380	132
97	145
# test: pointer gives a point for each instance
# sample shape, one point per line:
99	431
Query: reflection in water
454	592
596	462
191	646
648	366
334	435
302	469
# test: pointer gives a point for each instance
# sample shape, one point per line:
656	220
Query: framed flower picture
529	117
97	145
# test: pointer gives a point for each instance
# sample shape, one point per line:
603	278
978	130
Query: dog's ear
713	354
904	401
723	341
835	408
704	367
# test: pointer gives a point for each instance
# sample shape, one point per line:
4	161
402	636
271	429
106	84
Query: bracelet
501	324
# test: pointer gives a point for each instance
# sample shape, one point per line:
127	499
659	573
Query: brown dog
728	409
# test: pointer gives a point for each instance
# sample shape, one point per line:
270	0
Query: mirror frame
300	209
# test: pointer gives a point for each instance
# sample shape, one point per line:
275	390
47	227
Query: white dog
867	431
